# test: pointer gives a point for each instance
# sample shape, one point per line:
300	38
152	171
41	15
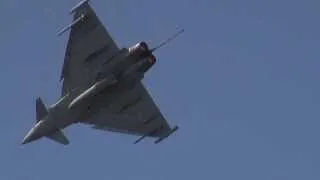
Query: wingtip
174	129
66	143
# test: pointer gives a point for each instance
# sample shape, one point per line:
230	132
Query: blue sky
242	82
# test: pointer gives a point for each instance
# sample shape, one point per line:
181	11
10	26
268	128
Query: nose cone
33	134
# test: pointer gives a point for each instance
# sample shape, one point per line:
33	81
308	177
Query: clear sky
242	83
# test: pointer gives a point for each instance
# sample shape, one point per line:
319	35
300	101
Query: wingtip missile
80	18
81	3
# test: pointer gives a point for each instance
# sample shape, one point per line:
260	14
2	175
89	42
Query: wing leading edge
88	46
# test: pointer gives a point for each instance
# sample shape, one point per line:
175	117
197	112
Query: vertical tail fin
41	112
41	109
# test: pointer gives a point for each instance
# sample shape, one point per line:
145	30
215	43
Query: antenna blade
168	40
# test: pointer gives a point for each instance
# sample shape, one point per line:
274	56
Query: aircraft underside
101	85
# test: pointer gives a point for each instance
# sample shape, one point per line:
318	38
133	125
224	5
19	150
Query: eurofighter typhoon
102	85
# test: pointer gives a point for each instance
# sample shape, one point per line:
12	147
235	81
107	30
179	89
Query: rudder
41	109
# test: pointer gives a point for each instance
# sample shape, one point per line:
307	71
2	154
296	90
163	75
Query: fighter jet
101	85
